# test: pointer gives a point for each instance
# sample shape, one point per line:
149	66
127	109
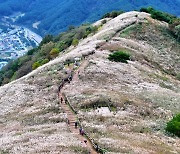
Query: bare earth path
71	116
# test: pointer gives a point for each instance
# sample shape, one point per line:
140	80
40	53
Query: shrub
178	76
177	31
39	63
46	39
54	52
119	56
36	65
45	50
103	22
162	16
173	126
30	52
112	14
75	42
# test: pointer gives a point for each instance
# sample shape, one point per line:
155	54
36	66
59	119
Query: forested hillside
55	16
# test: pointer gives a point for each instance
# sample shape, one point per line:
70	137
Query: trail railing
95	146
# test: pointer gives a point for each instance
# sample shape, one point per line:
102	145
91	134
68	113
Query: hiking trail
71	116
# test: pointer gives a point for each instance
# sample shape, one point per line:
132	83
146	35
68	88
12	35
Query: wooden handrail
95	146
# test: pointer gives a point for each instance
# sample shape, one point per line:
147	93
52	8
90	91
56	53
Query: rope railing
95	146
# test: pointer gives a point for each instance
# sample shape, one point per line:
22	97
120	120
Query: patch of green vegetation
112	14
49	131
54	52
163	85
127	31
169	71
4	151
18	134
174	22
75	42
167	33
49	48
178	76
164	78
159	15
173	126
141	129
39	63
119	56
97	103
54	109
103	21
79	150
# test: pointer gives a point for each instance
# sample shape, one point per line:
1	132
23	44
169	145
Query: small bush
46	39
159	15
75	42
36	65
119	56
112	14
54	53
178	76
39	63
173	126
103	22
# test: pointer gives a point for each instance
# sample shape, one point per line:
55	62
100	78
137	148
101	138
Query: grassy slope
141	94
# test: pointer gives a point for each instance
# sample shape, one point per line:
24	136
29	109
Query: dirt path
71	116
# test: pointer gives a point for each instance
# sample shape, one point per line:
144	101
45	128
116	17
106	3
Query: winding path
71	116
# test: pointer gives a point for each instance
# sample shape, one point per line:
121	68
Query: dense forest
55	16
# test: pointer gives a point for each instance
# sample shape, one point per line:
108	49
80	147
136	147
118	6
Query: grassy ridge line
51	46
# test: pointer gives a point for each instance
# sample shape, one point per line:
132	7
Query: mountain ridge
141	95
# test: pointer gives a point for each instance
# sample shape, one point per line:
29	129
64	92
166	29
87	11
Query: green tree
30	52
54	52
71	27
46	39
112	14
159	15
45	50
75	42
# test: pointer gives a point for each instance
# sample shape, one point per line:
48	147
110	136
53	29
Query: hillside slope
55	16
142	95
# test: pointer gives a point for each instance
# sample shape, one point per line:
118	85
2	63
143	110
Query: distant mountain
55	16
